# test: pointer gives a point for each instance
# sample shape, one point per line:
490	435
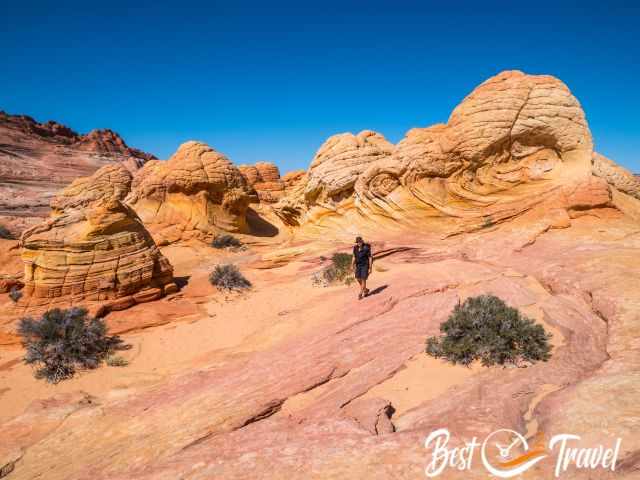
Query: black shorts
362	272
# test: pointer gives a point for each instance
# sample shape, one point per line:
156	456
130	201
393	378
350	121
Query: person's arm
353	259
370	260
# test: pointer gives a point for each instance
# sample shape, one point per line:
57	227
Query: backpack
362	256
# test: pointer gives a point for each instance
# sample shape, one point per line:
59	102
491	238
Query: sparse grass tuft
228	277
485	328
62	341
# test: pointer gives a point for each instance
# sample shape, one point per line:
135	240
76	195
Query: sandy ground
282	304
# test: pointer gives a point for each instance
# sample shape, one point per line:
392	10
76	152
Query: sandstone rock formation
264	178
293	178
313	383
194	194
340	161
38	159
617	176
94	248
517	140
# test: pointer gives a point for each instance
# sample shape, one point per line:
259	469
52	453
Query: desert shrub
226	241
228	277
15	294
485	328
116	361
63	341
339	270
5	233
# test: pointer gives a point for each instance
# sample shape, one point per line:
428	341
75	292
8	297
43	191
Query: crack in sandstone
272	407
515	120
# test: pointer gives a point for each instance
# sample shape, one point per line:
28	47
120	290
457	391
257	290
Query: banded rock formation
615	175
331	175
264	178
194	194
340	161
93	248
515	142
38	159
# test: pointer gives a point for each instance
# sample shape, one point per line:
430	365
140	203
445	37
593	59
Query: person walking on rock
362	263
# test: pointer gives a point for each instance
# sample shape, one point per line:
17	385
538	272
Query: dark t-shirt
362	254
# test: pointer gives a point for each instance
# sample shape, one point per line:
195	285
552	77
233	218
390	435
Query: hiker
362	263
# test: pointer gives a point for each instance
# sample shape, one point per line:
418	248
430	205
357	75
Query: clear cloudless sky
272	80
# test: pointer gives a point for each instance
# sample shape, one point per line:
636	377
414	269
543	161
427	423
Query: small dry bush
63	341
228	277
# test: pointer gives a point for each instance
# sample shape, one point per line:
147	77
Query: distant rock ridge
96	141
38	159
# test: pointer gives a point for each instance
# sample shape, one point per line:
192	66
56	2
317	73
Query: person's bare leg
364	287
360	283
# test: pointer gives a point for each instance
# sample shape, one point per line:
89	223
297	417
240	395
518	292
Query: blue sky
272	80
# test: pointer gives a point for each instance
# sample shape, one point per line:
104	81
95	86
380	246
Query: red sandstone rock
264	178
38	159
7	284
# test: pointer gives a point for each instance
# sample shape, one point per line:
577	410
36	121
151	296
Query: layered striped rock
94	248
513	142
339	162
617	176
331	176
39	159
517	141
264	179
195	194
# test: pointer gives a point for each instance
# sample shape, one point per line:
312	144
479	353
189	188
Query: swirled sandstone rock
39	159
517	140
339	162
93	248
196	193
264	178
617	176
331	176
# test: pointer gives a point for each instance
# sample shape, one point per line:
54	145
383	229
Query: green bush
62	341
485	328
339	270
226	241
228	277
5	233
